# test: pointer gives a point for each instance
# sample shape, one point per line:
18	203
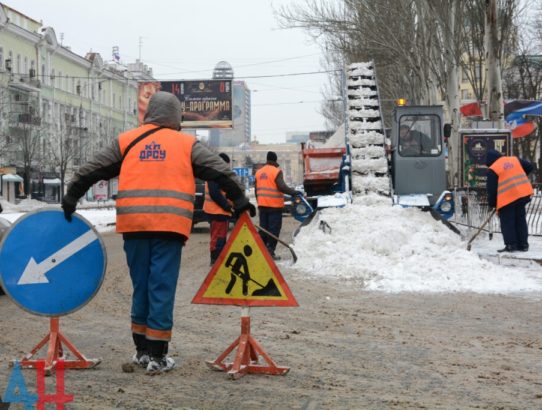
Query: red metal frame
55	352
246	358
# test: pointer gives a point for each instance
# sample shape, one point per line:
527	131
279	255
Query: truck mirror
447	131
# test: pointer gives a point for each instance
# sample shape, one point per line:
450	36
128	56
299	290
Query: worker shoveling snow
395	249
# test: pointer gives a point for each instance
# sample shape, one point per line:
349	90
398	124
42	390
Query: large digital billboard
205	103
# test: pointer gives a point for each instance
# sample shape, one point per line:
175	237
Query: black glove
68	205
246	207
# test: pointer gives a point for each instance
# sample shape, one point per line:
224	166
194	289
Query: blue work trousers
514	223
154	268
271	220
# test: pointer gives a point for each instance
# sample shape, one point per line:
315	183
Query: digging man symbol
237	262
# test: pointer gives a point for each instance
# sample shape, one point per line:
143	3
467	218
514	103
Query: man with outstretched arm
270	189
156	165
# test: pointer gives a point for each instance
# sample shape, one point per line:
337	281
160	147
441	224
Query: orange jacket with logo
156	182
513	183
267	192
211	207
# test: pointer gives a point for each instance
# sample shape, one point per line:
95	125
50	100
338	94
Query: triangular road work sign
245	274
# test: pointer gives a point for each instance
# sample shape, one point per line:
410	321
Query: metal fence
472	210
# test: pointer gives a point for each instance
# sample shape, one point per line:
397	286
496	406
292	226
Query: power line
235	78
240	65
288	103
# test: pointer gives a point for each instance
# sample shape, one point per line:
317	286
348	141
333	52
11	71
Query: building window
25	66
44	77
60	80
1	58
18	67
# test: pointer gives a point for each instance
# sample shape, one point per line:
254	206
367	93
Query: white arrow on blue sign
242	171
49	266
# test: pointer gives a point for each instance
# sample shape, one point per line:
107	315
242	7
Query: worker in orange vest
509	191
157	166
270	189
219	211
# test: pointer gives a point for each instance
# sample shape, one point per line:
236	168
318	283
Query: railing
471	210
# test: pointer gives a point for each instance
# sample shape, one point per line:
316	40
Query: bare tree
523	81
66	145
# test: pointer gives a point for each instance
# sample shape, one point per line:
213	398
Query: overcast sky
185	39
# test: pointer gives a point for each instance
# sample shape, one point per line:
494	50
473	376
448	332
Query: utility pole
493	65
453	96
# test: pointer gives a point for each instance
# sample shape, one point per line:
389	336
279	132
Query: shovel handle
480	229
294	256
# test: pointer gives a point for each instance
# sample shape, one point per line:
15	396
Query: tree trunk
495	100
453	100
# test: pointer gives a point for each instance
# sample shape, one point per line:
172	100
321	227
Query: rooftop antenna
61	38
140	45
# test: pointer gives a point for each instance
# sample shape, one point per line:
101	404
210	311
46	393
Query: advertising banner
205	103
475	146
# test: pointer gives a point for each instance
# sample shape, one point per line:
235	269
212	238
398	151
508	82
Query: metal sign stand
55	352
246	358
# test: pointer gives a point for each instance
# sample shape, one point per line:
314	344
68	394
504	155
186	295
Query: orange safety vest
211	207
513	183
156	182
267	192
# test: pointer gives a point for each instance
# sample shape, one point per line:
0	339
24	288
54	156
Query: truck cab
418	153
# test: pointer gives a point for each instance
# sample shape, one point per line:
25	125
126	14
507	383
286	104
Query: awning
54	181
12	178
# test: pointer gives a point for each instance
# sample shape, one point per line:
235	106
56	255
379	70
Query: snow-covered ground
397	249
102	217
390	249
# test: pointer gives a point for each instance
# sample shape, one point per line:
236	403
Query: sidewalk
487	249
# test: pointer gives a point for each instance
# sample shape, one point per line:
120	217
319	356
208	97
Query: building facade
58	108
252	155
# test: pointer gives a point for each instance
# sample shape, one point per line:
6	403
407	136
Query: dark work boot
214	256
508	248
523	248
159	362
141	357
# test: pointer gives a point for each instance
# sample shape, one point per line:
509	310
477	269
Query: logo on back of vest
263	175
508	165
152	152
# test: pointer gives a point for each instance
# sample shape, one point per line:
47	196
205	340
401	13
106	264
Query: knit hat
272	156
225	157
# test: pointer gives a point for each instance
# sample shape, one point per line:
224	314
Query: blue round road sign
49	266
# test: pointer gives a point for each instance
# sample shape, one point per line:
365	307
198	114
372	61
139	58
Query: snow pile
396	249
102	219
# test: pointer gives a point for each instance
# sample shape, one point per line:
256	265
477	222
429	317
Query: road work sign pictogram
245	273
49	266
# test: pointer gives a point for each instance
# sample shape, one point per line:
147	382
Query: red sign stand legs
246	358
55	352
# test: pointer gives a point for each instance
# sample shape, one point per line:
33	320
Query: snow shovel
294	256
480	229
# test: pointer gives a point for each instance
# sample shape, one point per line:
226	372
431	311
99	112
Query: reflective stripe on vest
267	191
211	207
156	182
513	183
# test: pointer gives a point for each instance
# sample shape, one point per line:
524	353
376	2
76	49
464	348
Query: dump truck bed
321	169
